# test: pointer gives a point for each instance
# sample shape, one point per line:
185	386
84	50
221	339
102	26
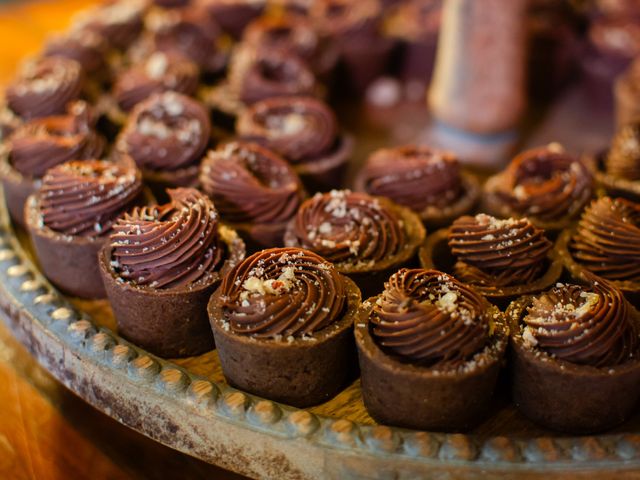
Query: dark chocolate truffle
429	182
576	342
430	350
254	189
160	267
283	321
70	216
367	238
304	131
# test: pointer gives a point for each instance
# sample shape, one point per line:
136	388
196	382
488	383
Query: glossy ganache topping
416	177
498	253
428	317
300	129
585	325
190	32
84	198
175	245
546	184
607	240
623	160
160	72
258	73
348	228
44	87
166	132
43	143
249	183
282	293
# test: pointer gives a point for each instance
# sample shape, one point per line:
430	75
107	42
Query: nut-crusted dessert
283	325
430	335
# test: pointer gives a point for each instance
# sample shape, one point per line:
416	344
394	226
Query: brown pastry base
293	371
631	289
69	262
224	105
436	217
326	173
435	254
565	396
427	398
168	323
619	187
16	187
370	278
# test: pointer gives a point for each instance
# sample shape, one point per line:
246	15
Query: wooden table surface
46	431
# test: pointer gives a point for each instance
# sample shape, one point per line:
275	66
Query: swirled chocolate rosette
161	265
429	334
576	342
283	326
44	87
42	143
367	238
255	74
501	258
71	214
305	132
619	174
356	31
159	72
254	189
547	185
606	242
429	182
167	136
87	47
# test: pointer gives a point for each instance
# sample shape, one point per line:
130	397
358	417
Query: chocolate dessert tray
187	405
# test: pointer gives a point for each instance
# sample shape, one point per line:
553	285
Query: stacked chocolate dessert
183	160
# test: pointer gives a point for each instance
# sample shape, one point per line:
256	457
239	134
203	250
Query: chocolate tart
575	358
254	189
305	132
501	259
412	377
159	277
42	143
70	215
283	325
367	238
627	95
167	135
606	242
429	182
234	15
619	172
547	185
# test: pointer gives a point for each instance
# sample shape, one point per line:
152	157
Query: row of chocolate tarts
431	340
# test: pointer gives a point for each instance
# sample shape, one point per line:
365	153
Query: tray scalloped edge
247	434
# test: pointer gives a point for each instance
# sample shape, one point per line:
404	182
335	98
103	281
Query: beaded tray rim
243	432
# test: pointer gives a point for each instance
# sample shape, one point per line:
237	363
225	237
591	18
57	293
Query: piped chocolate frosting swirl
497	252
87	47
583	325
416	177
348	228
282	292
44	87
301	129
43	143
175	245
249	183
166	132
189	32
84	198
160	72
257	73
429	317
623	160
118	21
607	241
545	184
